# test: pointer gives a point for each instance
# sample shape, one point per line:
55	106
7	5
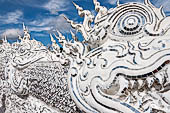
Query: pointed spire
68	38
17	41
52	39
68	41
77	6
118	2
60	35
19	37
26	33
68	20
5	39
58	38
97	5
24	27
96	2
73	36
162	12
80	10
74	3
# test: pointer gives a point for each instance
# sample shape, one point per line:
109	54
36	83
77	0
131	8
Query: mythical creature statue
32	78
121	66
127	68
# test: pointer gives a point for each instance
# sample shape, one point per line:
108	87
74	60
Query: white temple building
121	66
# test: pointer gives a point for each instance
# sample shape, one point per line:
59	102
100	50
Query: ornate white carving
121	66
128	71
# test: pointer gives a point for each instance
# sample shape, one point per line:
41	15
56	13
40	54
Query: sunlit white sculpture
121	66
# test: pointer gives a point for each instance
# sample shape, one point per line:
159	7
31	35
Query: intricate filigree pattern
33	79
129	71
121	66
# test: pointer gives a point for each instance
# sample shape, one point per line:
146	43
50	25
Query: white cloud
56	5
12	33
50	24
112	2
39	35
11	17
39	29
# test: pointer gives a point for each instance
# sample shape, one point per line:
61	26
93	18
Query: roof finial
96	2
26	33
60	35
73	35
75	26
58	38
77	6
118	2
80	10
5	39
52	39
19	37
66	18
97	5
24	27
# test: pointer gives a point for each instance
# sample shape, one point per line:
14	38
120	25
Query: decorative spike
58	38
19	37
69	21
68	39
24	27
161	7
77	6
60	35
97	5
74	3
17	41
118	3
75	26
52	39
73	35
96	2
5	39
162	12
80	10
66	18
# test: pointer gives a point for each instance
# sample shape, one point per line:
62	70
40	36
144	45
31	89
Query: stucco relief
121	66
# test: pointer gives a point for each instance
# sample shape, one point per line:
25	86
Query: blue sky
44	16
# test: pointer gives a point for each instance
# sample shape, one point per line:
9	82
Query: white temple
122	66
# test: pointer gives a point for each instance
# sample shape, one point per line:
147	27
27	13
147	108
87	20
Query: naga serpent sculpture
121	66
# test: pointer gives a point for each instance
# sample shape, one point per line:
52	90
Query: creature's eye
130	21
22	50
131	24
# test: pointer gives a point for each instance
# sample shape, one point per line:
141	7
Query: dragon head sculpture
122	65
127	67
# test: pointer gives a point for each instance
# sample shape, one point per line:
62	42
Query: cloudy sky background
44	16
